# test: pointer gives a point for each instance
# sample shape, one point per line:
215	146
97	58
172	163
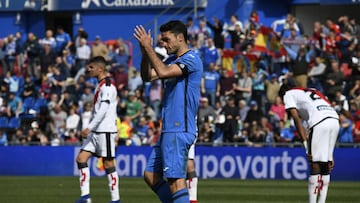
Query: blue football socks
162	190
181	196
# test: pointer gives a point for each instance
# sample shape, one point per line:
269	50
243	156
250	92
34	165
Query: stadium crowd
46	96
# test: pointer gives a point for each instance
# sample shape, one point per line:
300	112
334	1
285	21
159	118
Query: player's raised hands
143	37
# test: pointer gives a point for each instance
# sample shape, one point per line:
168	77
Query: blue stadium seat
28	103
40	102
14	123
4	122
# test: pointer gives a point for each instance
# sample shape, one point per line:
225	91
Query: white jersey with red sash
311	104
104	119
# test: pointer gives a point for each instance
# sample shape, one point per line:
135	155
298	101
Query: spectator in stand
121	58
72	138
316	74
2	57
13	82
204	33
133	107
58	120
210	87
226	82
120	76
81	34
283	24
120	43
142	130
69	61
47	57
243	87
83	53
346	127
57	81
99	48
235	35
192	30
88	95
210	54
32	50
331	25
14	105
277	112
272	88
20	51
258	89
300	65
355	26
231	112
3	138
155	96
285	133
334	80
86	115
293	40
48	40
10	53
206	112
217	29
135	81
234	21
254	113
64	69
319	35
29	88
243	109
63	40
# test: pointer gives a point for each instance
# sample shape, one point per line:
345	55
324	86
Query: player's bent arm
100	114
298	123
163	71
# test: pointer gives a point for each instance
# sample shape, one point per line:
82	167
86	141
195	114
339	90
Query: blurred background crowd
46	96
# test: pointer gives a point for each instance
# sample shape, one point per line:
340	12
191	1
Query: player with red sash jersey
101	132
311	106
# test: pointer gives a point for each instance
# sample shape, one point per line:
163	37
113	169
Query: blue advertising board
211	162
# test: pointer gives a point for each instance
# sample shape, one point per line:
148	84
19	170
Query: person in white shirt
83	53
312	107
101	133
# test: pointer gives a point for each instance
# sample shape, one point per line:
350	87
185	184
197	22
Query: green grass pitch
133	190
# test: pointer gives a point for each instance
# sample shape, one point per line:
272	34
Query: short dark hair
176	27
285	87
97	59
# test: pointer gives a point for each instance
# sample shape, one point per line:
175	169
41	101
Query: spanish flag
261	40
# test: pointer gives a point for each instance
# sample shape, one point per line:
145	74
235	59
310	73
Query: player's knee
315	168
108	162
191	174
81	165
150	178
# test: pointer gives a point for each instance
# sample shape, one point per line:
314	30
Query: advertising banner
211	162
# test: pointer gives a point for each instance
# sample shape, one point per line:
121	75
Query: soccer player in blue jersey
181	79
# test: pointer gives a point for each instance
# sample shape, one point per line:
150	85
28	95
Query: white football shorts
100	144
322	140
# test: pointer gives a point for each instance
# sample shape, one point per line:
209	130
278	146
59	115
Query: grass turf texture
66	190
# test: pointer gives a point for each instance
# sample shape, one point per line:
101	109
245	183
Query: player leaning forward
179	108
101	132
312	106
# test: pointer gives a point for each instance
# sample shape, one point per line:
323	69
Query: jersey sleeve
189	63
289	101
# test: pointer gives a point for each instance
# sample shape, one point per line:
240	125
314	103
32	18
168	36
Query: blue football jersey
182	94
